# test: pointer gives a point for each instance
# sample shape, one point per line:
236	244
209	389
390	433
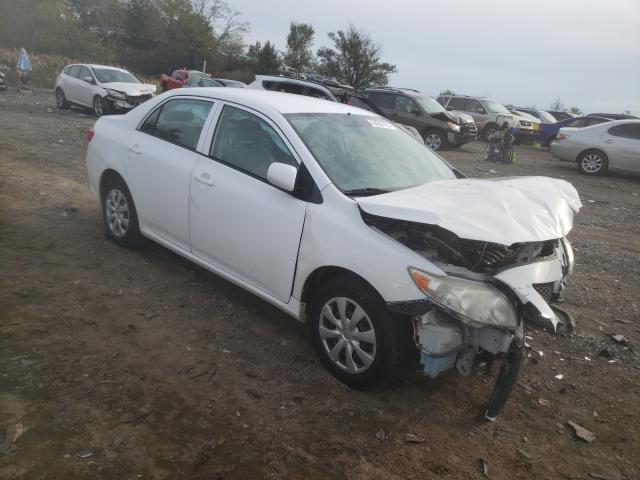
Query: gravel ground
117	364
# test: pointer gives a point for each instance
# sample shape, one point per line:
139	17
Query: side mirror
282	176
449	108
87	79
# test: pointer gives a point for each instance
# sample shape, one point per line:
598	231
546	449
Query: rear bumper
563	152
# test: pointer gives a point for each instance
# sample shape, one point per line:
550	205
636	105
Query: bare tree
557	106
228	27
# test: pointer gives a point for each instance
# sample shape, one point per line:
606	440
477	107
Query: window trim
161	106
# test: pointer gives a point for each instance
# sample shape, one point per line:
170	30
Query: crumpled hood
502	210
131	89
462	117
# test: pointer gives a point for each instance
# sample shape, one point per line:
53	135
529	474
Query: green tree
354	59
298	55
448	91
575	111
267	60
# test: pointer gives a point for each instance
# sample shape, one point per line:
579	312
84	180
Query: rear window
178	121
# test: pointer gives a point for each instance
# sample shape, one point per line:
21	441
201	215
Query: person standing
23	72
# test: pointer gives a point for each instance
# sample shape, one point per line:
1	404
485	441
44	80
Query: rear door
162	153
70	81
239	222
622	145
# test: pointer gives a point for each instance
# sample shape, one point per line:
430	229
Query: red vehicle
180	78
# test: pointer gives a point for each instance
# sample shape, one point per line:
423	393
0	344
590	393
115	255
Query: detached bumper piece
445	343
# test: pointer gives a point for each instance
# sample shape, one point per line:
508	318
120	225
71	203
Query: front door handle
204	178
608	140
135	148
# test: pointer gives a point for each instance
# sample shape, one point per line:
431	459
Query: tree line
154	36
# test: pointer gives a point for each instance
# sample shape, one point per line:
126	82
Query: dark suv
437	127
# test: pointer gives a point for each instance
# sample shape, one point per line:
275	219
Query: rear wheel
119	214
357	339
593	162
61	100
434	139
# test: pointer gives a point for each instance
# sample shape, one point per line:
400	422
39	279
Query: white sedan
340	218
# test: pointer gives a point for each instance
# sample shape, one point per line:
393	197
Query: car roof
108	67
266	99
310	83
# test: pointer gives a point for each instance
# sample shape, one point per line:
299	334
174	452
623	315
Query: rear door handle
204	178
608	140
135	148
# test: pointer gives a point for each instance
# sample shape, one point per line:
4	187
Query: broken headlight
116	94
474	302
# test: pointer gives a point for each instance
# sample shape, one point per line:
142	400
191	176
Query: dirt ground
139	365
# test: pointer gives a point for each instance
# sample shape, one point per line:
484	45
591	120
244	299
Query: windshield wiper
356	192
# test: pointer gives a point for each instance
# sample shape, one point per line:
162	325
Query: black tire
130	236
390	333
593	162
100	106
61	99
435	139
488	129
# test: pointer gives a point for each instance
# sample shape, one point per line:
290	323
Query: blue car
548	131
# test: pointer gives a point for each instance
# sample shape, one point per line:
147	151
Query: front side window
429	104
110	75
84	73
362	152
73	71
404	104
629	130
178	121
475	106
244	141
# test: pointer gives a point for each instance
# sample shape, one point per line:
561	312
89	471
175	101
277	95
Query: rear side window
458	104
629	130
316	93
248	143
579	123
178	121
383	100
594	121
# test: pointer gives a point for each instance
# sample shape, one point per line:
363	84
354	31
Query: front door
85	90
622	145
161	157
238	221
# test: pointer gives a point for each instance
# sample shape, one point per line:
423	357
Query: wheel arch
106	176
322	275
599	150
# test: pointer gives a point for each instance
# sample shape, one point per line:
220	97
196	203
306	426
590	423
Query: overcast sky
587	52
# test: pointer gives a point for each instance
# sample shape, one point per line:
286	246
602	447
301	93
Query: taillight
90	134
561	136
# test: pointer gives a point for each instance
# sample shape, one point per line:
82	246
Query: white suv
103	89
341	219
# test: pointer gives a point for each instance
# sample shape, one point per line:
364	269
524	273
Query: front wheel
100	106
434	139
61	100
593	162
357	339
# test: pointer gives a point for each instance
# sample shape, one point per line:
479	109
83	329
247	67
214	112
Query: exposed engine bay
444	247
532	273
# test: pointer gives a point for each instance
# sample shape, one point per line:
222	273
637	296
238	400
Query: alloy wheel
347	335
433	141
592	163
117	213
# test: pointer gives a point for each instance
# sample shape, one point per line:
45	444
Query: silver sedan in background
614	145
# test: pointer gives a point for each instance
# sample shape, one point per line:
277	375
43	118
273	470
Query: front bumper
468	133
445	342
128	103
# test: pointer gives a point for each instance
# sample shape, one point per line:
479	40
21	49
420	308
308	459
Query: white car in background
340	218
103	89
611	145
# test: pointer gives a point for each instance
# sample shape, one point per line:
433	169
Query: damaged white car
343	220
